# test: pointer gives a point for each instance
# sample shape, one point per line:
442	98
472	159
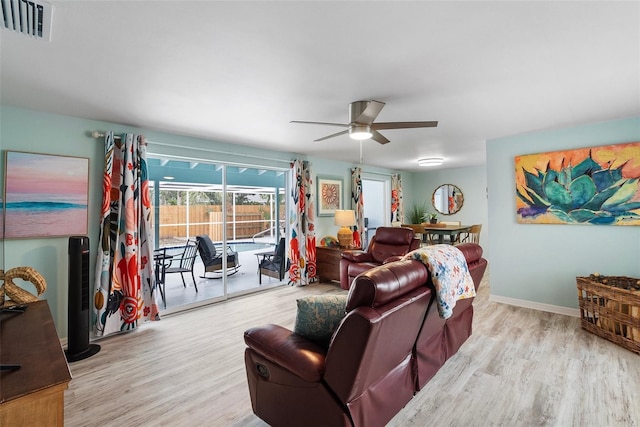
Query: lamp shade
345	218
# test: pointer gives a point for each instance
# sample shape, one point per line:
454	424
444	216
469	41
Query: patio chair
273	263
160	262
212	257
184	263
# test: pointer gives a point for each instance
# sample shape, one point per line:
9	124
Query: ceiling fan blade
332	135
364	112
320	123
378	137
404	125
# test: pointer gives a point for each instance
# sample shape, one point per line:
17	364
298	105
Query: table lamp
345	219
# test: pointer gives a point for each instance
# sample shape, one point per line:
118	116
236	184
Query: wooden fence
207	219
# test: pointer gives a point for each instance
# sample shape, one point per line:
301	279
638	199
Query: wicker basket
610	308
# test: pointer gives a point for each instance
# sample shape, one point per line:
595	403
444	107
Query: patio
244	205
211	289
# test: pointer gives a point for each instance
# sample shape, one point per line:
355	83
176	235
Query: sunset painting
45	195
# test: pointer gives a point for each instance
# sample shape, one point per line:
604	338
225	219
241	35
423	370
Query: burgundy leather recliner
390	343
388	244
439	339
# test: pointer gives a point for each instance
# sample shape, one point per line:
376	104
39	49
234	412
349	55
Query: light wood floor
520	367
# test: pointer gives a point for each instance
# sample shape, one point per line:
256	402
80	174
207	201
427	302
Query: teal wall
528	262
32	131
23	130
473	183
342	170
538	263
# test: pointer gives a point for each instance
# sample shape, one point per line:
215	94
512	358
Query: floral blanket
449	273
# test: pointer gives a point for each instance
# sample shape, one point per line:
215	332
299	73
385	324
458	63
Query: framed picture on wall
329	195
586	186
45	195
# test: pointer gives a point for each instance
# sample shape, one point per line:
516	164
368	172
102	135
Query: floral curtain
397	210
124	291
357	204
302	244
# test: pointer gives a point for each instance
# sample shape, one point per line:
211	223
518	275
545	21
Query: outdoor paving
244	280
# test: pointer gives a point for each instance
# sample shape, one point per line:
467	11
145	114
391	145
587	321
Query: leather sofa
389	344
388	244
440	339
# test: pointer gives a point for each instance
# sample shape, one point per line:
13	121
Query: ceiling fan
361	125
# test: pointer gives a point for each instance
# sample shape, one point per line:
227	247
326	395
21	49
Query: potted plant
432	217
416	213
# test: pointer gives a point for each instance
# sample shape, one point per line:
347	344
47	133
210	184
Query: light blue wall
536	263
473	183
32	131
539	262
23	130
323	167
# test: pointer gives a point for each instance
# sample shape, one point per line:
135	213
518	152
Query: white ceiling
240	71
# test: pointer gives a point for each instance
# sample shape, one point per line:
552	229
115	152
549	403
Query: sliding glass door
235	214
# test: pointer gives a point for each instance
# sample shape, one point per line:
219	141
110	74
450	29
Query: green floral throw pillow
319	316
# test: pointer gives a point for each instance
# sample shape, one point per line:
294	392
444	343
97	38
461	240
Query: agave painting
598	185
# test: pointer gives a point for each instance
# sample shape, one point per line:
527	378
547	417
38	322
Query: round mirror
447	199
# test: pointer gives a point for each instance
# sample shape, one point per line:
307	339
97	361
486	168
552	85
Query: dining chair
472	236
184	263
418	230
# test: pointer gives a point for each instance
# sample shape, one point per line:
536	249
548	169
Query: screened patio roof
177	174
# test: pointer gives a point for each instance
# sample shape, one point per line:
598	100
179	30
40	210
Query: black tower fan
78	346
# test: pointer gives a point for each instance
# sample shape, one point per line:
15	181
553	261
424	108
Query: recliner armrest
357	256
289	350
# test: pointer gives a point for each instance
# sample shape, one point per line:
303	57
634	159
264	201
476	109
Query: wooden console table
32	395
328	263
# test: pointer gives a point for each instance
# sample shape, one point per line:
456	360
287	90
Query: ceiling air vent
29	17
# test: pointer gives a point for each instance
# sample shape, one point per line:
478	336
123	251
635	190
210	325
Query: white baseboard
575	312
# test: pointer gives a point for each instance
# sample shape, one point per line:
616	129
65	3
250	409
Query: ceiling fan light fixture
360	132
431	161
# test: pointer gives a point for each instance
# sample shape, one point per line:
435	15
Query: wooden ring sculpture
15	293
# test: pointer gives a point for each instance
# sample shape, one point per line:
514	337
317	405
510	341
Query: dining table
442	230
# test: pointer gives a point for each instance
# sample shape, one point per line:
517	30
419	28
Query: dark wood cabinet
328	263
34	394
